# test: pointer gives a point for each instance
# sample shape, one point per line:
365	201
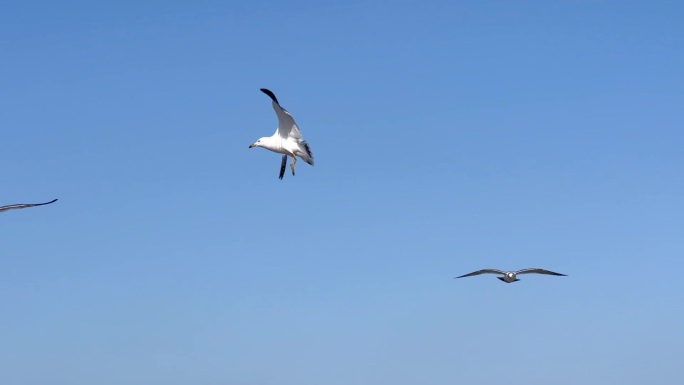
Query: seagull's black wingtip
283	164
270	94
558	274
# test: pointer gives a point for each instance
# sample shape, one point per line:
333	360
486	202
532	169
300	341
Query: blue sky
449	137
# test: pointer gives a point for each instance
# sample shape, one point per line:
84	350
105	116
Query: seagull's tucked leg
292	164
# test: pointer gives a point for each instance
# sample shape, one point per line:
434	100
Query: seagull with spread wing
24	206
510	276
287	139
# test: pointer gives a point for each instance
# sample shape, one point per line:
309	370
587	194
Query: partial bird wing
24	205
483	271
287	128
538	271
282	167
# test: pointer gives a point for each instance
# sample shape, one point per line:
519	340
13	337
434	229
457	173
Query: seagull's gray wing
538	271
286	124
24	205
483	271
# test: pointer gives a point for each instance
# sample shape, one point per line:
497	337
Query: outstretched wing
538	271
287	128
24	205
483	271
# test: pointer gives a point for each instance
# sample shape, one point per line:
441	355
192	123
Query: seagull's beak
252	145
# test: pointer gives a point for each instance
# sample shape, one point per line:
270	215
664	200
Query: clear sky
449	137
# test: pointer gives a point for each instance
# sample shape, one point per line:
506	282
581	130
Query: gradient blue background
449	136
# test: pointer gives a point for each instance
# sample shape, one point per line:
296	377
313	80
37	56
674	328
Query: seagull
24	205
510	276
287	139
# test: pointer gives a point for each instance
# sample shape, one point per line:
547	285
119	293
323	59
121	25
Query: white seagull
510	276
24	205
287	139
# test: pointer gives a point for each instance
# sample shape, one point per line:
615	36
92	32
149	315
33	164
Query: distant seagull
510	276
287	139
24	206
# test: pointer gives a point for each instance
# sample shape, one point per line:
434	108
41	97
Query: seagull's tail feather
306	153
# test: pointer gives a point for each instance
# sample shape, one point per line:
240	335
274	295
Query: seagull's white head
267	142
258	143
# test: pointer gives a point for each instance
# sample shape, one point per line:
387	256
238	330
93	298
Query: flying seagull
510	276
287	139
24	205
